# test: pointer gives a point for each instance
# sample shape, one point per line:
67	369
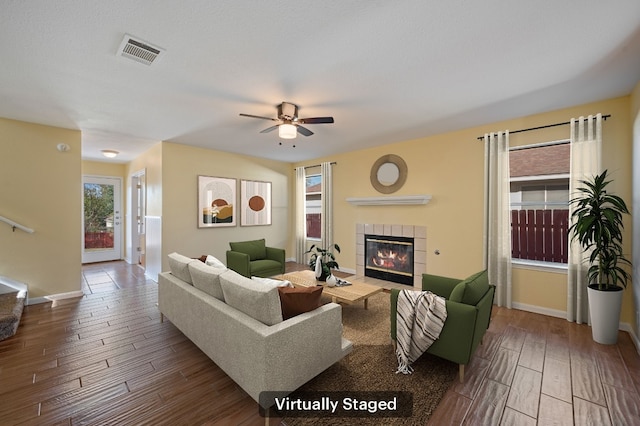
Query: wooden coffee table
353	293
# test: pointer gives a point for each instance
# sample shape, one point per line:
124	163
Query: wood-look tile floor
533	369
106	358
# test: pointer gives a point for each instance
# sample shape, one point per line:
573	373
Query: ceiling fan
289	124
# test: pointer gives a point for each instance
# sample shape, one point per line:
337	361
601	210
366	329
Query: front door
101	222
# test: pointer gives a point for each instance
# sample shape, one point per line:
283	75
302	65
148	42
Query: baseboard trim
624	326
54	297
540	310
154	279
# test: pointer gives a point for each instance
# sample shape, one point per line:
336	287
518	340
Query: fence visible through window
313	225
540	235
98	240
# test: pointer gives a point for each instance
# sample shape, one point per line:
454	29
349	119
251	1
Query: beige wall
635	118
635	101
181	166
99	168
450	167
40	188
151	163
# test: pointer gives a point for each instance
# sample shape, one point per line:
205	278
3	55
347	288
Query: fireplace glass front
389	258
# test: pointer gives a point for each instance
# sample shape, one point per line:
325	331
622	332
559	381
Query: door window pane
98	216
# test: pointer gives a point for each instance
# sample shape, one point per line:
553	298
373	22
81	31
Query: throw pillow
477	286
212	261
179	266
272	281
256	249
298	300
458	292
207	279
260	302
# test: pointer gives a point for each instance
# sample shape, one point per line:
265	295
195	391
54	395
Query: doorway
102	225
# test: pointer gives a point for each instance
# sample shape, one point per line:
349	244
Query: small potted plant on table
326	258
597	226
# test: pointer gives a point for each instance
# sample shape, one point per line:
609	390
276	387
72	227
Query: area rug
371	367
368	326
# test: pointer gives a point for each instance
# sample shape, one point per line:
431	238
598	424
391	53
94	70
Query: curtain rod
604	117
318	165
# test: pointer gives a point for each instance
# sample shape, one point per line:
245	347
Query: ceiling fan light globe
287	131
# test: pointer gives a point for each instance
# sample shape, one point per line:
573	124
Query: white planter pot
604	308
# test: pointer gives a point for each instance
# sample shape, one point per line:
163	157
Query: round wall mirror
388	173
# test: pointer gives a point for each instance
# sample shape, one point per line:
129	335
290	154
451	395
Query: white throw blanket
419	320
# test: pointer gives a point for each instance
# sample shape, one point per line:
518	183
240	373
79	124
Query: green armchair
469	304
254	258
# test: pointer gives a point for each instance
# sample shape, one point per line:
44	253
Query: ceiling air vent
139	50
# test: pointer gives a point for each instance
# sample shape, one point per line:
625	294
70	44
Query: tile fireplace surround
418	233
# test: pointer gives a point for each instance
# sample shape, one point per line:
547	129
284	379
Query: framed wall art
216	202
255	203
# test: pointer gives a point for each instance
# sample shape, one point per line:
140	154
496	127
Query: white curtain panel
300	216
327	205
586	162
497	230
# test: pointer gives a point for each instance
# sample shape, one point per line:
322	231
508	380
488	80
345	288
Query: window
313	205
540	202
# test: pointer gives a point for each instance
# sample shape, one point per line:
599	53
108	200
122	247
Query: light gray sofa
216	308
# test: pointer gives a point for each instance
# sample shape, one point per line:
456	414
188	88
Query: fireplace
389	258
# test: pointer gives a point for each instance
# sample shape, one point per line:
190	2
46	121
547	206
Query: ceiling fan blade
304	131
269	129
316	120
257	116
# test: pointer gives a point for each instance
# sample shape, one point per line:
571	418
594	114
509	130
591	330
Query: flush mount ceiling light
109	153
287	131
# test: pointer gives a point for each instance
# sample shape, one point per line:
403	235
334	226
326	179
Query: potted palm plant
597	227
327	261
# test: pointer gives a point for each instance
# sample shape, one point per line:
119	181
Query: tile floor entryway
109	276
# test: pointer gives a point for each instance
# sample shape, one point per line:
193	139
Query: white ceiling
385	70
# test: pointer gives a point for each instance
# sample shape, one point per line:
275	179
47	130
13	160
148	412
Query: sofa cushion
259	301
213	261
476	286
256	249
298	300
458	292
207	279
179	266
272	281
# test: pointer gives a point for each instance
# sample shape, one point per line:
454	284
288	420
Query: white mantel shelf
389	200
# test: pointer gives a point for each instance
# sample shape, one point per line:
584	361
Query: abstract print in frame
216	200
255	203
